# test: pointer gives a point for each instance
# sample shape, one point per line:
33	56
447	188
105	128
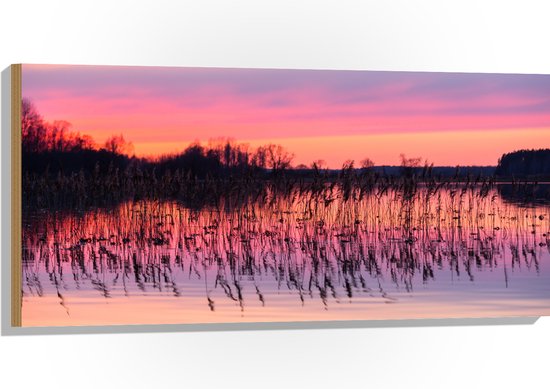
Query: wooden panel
16	196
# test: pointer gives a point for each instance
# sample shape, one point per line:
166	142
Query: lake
452	251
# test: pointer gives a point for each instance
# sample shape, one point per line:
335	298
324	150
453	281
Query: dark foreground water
447	253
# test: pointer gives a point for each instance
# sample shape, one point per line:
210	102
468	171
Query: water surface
451	252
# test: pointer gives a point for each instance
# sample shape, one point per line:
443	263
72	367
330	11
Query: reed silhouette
325	242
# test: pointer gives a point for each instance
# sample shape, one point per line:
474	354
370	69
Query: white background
472	36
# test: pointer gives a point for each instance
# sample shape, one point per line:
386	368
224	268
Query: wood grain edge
16	262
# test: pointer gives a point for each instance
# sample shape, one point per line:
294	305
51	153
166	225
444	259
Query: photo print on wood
166	195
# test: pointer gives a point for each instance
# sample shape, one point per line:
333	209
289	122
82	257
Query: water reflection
453	252
525	194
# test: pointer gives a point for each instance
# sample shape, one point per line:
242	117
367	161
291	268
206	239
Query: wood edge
16	262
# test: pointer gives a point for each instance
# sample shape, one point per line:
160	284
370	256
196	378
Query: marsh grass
330	239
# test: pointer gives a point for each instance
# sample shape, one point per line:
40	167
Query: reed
333	239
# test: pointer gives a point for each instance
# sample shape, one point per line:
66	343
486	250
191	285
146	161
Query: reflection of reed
332	242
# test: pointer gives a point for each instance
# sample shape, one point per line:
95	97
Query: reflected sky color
449	255
440	116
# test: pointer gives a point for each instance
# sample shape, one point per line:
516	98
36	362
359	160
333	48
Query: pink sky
447	118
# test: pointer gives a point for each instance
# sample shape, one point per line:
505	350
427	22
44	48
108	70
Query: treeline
224	158
53	149
54	156
62	168
525	164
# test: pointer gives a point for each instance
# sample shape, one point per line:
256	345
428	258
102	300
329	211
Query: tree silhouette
318	164
116	144
524	163
409	165
33	131
274	157
367	163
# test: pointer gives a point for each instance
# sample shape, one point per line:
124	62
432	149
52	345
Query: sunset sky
446	118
